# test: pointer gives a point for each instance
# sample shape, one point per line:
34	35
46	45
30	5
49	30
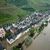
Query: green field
13	17
16	10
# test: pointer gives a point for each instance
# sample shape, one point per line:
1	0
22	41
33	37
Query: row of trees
40	28
32	32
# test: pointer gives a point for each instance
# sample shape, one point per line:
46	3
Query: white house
2	32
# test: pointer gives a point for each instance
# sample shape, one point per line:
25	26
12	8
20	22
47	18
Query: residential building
2	32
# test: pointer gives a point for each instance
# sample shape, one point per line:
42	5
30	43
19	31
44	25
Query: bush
41	28
32	32
15	48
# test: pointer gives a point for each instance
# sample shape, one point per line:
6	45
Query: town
12	32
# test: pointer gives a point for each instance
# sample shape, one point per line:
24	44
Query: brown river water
42	42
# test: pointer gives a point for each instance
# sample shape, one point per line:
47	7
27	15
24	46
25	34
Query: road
42	42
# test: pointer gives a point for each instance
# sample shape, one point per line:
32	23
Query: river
42	42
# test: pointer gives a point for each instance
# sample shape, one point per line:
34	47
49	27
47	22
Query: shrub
32	32
15	48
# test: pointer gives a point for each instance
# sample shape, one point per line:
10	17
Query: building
2	32
14	25
17	29
13	30
7	28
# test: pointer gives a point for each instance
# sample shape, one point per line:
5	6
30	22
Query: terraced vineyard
15	10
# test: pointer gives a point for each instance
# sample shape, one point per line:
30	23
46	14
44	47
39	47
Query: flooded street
42	42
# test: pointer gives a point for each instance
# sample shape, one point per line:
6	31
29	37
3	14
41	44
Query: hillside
34	4
15	10
10	13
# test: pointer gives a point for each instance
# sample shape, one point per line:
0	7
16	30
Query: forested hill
16	10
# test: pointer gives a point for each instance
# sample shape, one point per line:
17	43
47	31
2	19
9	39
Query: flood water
42	42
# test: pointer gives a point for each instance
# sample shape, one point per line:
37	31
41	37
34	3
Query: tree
46	23
15	48
32	32
7	34
41	28
28	41
42	25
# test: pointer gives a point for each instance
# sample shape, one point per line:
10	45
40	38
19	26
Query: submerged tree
32	32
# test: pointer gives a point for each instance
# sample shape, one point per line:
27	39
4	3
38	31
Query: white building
2	32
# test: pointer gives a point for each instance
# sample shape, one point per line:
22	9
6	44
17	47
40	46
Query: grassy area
6	18
15	10
13	17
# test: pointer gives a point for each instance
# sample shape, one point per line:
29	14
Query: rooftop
2	32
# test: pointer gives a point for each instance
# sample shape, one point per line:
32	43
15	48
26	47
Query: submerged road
42	42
